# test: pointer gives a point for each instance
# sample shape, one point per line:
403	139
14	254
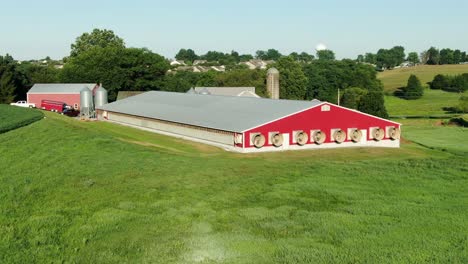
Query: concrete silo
273	83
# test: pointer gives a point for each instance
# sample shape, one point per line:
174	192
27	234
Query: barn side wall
217	137
327	118
69	99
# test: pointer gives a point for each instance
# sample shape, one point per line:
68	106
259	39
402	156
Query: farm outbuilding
68	93
246	124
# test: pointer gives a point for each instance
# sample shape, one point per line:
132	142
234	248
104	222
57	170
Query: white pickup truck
24	104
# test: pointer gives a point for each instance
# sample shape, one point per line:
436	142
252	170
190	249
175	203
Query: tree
457	56
13	80
270	54
360	58
187	55
325	55
7	89
433	56
97	38
351	97
413	58
390	58
446	56
439	82
117	68
413	89
373	103
293	82
370	58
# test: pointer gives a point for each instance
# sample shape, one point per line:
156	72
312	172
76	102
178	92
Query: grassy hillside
394	79
12	117
431	103
97	192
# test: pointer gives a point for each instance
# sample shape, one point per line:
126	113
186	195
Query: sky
36	29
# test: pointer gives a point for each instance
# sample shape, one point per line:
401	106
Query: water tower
273	83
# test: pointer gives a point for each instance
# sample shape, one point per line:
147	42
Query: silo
86	104
273	83
100	97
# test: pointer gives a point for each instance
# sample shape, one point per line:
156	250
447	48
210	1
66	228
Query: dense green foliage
117	68
413	58
13	82
292	79
413	89
102	193
445	56
12	117
326	55
101	38
456	83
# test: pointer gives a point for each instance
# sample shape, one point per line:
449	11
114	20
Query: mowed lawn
93	192
394	79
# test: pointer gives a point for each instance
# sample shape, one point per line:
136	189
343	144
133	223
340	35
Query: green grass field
394	79
432	102
93	192
12	117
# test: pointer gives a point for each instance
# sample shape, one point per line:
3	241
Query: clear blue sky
35	29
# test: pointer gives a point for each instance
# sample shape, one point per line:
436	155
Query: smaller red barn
68	93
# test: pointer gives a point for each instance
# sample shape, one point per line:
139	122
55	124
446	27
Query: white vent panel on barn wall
325	108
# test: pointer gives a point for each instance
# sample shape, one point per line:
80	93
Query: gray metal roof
228	113
57	88
230	91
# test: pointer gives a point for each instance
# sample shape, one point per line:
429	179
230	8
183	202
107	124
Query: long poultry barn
246	124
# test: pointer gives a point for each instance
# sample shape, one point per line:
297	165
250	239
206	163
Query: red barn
246	124
68	93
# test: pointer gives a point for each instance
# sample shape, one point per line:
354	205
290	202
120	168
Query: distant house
227	91
199	62
257	64
178	63
68	93
221	68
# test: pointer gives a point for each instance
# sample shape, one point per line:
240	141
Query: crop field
394	79
93	192
12	117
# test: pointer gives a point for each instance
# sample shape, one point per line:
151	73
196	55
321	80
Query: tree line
391	58
220	58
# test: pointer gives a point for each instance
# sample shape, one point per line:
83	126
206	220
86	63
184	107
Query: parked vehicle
23	104
54	106
71	112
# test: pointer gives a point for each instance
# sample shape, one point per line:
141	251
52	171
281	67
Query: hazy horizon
34	30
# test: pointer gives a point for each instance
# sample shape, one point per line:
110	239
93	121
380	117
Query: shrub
440	82
413	89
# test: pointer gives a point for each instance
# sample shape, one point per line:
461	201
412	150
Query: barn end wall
69	99
327	118
217	137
